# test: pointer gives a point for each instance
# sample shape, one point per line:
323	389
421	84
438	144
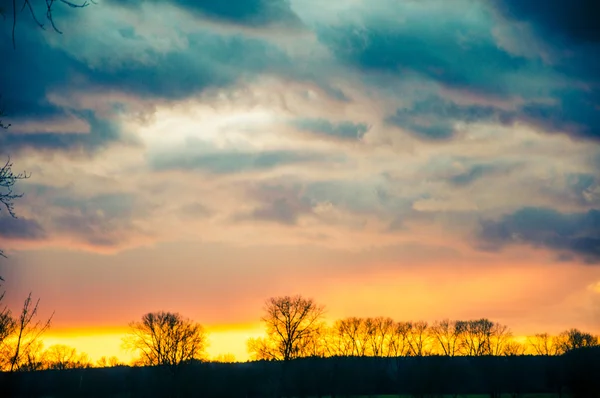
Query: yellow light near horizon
98	343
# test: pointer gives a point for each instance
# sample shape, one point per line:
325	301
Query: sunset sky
414	159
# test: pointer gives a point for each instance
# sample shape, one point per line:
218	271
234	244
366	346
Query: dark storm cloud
465	55
575	20
28	74
35	69
210	61
567	233
344	130
432	53
434	118
234	161
20	228
243	12
572	30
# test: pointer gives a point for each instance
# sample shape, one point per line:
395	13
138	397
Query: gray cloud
209	60
278	203
103	220
575	234
434	118
243	12
323	127
20	228
228	162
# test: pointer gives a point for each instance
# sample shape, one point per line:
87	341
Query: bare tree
17	7
7	196
2	124
290	323
379	331
544	344
399	344
166	339
33	359
27	333
476	337
500	337
7	323
447	336
573	339
61	357
349	337
111	362
514	348
419	338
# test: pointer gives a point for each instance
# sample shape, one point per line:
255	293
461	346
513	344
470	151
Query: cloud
435	118
102	132
132	64
570	30
194	210
24	86
577	234
234	161
344	130
243	12
20	229
429	40
105	220
476	172
439	48
574	20
278	203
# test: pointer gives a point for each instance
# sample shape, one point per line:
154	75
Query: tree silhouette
447	336
544	344
419	339
25	5
167	339
7	196
348	337
292	323
477	335
61	357
400	340
573	339
111	362
7	325
28	333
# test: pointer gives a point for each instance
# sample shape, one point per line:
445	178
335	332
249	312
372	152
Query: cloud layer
463	132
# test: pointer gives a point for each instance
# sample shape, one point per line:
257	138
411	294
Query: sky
417	159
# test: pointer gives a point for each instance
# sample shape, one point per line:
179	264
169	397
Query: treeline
294	328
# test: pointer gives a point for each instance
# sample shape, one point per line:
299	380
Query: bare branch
49	13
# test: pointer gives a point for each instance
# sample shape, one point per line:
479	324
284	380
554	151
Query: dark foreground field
576	375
